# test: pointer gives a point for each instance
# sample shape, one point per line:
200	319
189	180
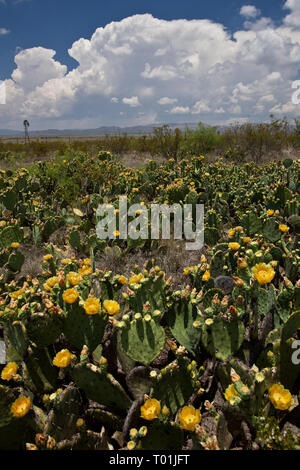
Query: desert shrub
200	141
257	140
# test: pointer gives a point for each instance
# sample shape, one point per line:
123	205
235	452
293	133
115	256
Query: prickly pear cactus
289	369
251	223
142	338
175	385
49	228
139	381
271	230
39	374
74	239
17	336
61	421
217	264
185	323
151	289
211	236
9	199
15	261
266	300
210	294
82	329
44	328
221	338
162	436
100	386
13	431
9	235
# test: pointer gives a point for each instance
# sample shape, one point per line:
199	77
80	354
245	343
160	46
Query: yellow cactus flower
188	269
47	257
130	445
74	278
70	296
143	431
52	281
263	273
87	262
15	245
242	263
122	279
270	212
136	278
234	246
280	398
206	276
66	261
259	377
283	228
10	371
150	409
231	394
15	295
20	407
85	271
246	240
92	306
133	432
111	306
189	418
231	232
62	358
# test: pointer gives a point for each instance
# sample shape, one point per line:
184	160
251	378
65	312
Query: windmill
26	125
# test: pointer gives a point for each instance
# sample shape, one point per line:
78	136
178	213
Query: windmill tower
26	133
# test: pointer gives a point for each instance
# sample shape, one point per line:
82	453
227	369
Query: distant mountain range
148	129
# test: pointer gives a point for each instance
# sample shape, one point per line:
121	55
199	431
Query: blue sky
229	60
56	24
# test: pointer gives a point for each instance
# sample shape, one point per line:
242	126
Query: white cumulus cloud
4	31
250	11
293	18
165	100
133	101
200	107
179	110
143	69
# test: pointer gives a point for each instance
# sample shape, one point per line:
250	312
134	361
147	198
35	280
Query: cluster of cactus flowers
96	360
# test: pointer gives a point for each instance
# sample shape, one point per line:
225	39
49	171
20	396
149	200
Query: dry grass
138	160
33	261
171	256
